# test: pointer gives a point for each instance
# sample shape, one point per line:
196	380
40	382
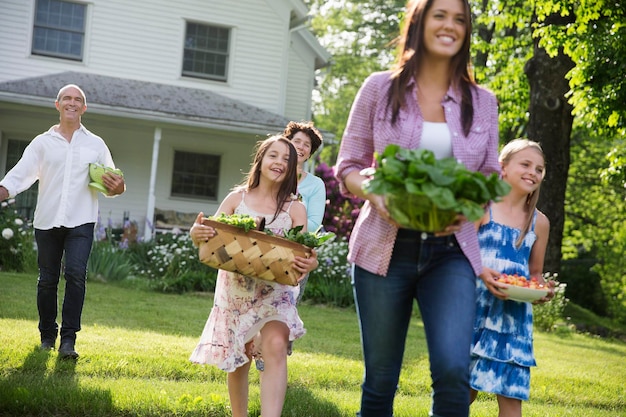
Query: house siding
143	40
298	100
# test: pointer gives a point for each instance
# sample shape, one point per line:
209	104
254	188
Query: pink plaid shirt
369	129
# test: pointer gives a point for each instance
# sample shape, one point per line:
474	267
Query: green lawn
135	346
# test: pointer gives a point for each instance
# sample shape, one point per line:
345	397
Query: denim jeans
75	243
437	274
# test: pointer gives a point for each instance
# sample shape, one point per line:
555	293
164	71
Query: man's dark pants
53	245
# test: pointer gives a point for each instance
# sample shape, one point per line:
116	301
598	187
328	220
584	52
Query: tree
550	123
595	40
358	34
555	66
595	233
574	44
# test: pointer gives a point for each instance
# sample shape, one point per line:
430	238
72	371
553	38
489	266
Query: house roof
146	100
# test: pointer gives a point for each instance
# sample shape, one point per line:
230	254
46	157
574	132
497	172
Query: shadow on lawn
34	390
301	402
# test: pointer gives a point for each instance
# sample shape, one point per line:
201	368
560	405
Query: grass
135	345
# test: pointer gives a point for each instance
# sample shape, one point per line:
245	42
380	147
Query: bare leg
238	390
274	343
509	407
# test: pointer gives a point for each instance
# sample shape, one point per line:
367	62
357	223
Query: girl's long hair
288	188
411	50
506	154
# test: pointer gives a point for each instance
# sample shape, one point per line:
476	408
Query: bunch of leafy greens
295	234
426	193
242	221
310	239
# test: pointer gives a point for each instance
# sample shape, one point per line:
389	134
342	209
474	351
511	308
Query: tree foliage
596	41
556	66
358	34
595	229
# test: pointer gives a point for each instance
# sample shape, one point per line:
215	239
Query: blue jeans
52	244
436	273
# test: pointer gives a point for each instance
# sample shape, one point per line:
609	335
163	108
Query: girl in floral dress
251	316
513	236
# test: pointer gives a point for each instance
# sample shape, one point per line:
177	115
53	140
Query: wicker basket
254	253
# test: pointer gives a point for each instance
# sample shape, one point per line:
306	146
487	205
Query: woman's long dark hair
411	50
288	188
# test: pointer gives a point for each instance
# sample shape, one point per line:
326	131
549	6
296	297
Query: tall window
206	51
59	29
195	175
26	201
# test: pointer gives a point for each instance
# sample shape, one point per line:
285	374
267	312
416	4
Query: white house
180	90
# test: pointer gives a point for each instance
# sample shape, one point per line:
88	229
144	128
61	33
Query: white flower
19	222
7	233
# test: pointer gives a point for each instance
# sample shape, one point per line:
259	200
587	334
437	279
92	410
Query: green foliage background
592	34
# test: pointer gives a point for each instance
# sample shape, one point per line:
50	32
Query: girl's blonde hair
507	152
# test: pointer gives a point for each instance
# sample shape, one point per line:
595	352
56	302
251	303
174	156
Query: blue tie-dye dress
502	348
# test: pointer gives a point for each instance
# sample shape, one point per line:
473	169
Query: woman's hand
454	227
378	202
199	232
305	265
490	278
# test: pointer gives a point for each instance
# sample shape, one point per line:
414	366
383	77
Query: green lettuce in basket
426	193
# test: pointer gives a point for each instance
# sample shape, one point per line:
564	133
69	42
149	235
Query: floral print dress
243	305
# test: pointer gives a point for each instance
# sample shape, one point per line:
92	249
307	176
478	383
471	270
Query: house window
26	201
59	29
206	51
195	175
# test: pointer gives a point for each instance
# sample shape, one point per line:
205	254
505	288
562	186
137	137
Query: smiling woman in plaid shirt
428	100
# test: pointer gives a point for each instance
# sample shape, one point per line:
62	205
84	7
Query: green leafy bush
341	210
170	262
330	282
547	316
17	249
108	262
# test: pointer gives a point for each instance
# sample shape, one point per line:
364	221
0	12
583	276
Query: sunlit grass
135	345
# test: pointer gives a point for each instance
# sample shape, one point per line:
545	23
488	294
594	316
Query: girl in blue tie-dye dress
513	236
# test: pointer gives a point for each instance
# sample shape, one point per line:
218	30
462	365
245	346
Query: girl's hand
199	232
305	265
490	278
550	285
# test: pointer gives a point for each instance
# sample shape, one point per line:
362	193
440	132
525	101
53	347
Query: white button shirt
62	168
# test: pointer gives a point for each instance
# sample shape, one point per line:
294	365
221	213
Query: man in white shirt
66	212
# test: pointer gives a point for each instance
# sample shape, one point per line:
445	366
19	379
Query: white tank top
436	137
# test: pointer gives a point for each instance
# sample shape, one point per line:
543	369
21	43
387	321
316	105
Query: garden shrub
341	211
17	242
108	262
170	262
330	282
583	282
547	316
